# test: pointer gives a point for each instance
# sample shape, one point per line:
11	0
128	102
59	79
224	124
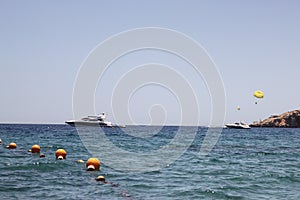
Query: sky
255	45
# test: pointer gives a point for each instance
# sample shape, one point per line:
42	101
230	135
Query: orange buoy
35	149
100	178
60	154
93	164
12	146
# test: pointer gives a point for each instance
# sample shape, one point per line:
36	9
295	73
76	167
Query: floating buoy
42	155
100	178
12	146
93	164
60	154
80	161
35	149
0	141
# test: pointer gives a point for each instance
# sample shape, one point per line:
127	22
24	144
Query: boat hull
237	127
83	123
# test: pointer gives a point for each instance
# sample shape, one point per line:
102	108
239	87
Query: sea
259	163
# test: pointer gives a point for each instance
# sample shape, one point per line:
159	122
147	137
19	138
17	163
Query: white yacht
238	125
99	120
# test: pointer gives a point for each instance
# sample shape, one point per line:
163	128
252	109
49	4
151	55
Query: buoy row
92	164
34	149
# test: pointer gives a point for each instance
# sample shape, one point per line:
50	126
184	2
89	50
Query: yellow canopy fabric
258	94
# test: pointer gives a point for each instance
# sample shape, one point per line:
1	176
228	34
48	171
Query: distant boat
238	125
99	120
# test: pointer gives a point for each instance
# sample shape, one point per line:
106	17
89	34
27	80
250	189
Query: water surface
260	163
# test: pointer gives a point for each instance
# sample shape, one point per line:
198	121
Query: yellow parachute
258	94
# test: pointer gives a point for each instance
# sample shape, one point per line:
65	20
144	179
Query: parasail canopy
258	94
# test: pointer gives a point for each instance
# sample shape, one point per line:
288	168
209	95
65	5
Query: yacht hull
83	123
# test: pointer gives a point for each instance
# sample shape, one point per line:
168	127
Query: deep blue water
260	163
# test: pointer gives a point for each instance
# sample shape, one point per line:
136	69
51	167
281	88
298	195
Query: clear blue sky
255	45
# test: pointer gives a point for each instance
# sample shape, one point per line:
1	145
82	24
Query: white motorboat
99	120
238	125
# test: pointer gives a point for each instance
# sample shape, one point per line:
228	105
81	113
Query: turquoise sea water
260	163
